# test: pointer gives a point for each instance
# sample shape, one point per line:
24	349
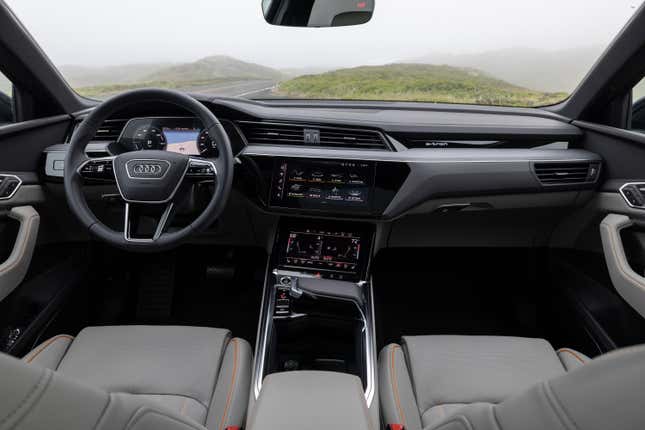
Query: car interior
312	263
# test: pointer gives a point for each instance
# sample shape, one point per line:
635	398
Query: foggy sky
109	32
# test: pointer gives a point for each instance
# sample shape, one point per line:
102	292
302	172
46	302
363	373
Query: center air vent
274	133
567	172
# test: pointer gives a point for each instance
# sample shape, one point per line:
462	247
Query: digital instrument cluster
183	135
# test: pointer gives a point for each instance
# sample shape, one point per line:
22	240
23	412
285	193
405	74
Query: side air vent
565	173
273	133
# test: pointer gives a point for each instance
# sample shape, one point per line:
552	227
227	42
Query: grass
104	91
414	82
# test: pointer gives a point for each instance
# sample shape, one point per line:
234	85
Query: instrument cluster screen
322	184
323	250
183	135
181	140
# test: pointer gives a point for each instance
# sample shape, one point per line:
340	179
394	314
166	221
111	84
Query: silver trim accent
622	193
266	311
158	231
266	322
425	155
15	190
140	178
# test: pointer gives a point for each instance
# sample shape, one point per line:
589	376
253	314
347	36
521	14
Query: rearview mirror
317	13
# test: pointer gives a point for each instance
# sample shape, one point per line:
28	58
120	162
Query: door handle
629	284
14	269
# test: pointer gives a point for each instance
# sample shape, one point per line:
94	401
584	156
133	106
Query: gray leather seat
427	379
603	394
199	373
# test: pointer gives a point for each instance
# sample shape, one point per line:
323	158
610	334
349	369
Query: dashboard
366	161
184	135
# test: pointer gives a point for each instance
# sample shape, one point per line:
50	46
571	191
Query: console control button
282	300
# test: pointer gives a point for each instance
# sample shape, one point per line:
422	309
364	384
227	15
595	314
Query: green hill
214	67
202	75
415	82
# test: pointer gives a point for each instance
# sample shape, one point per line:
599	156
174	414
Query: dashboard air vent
258	133
110	130
272	133
339	137
566	172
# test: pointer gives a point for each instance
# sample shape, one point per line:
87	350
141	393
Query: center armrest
310	400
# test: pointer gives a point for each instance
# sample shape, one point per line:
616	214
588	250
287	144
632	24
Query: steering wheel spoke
135	214
98	169
200	169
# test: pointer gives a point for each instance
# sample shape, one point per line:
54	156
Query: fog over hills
81	76
550	71
209	68
539	76
214	67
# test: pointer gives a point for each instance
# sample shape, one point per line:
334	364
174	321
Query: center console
317	311
290	400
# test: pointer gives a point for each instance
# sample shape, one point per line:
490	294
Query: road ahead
249	89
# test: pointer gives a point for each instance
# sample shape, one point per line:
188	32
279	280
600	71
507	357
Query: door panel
629	284
39	264
600	271
15	267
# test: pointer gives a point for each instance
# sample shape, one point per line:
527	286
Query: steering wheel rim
76	157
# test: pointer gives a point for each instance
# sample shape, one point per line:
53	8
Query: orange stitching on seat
35	353
395	386
572	353
231	388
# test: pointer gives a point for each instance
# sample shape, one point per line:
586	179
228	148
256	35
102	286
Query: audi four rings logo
147	169
151	169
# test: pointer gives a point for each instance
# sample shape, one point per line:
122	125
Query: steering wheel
148	180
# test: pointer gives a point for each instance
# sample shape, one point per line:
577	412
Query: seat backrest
606	393
37	398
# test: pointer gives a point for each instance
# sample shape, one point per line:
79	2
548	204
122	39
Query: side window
6	102
638	107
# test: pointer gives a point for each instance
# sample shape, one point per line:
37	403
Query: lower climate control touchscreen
335	251
322	184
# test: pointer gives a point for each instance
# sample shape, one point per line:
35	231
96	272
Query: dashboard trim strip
403	156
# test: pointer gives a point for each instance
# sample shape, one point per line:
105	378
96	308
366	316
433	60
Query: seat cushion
427	378
199	372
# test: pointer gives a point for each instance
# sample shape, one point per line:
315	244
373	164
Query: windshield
492	52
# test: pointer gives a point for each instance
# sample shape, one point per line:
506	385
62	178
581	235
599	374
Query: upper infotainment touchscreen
308	184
